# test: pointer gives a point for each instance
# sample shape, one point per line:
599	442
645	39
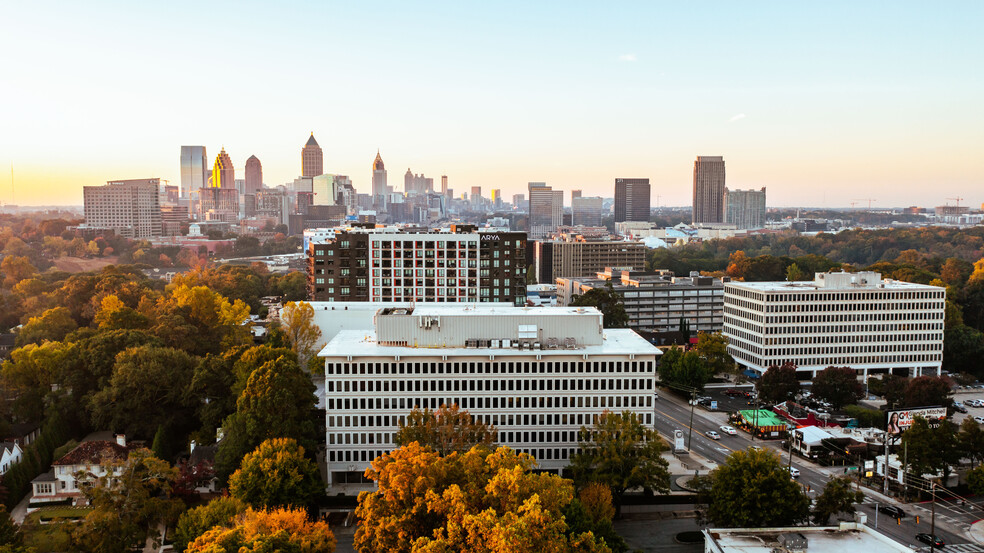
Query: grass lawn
49	513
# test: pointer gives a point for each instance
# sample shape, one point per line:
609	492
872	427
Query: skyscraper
312	159
444	185
223	173
586	212
745	208
632	200
546	209
708	189
194	169
378	181
254	175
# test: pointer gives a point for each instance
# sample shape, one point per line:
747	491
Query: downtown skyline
822	106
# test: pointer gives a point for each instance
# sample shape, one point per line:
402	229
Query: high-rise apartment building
519	202
456	264
132	208
546	211
852	320
632	200
745	208
537	375
586	212
194	169
254	176
708	190
379	186
312	158
577	255
656	301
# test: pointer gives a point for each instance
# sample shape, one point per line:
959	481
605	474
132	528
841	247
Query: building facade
657	301
575	256
546	210
312	158
457	264
708	189
632	198
537	375
856	320
254	176
194	169
745	208
132	208
379	187
586	212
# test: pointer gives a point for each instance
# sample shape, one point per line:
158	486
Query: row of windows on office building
485	402
854	307
366	456
490	367
489	419
487	385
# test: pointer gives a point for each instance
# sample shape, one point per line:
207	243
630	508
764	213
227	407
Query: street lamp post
932	523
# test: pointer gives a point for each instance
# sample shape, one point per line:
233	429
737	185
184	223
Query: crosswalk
958	548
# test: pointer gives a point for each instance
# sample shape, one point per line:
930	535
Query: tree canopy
447	430
778	384
838	385
752	489
276	530
608	301
838	496
276	474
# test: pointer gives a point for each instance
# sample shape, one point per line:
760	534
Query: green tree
128	504
838	496
713	351
687	369
924	391
148	389
621	453
838	385
778	384
753	489
195	522
446	430
33	375
963	348
10	534
975	479
274	531
54	324
474	502
276	474
931	450
794	273
970	438
608	301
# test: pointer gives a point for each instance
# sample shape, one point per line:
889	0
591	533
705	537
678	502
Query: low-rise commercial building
856	320
573	255
537	374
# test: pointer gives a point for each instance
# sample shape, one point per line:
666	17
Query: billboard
900	421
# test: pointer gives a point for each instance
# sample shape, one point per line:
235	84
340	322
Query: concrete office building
254	176
194	169
312	158
379	187
576	255
132	208
657	301
537	375
546	210
708	189
745	208
457	264
328	188
519	202
586	212
632	200
855	320
223	172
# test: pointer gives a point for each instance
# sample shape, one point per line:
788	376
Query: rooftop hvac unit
570	343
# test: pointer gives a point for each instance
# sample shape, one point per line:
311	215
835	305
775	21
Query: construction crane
869	200
957	199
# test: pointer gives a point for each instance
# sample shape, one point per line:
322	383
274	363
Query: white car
729	430
794	472
979	419
712	435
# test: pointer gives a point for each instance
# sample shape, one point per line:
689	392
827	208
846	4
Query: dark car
892	511
930	539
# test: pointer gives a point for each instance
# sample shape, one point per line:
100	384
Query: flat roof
762	417
812	286
485	309
362	343
821	539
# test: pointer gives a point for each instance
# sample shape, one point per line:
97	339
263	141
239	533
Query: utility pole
693	404
932	524
905	471
885	466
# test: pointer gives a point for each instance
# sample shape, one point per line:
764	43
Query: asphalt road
673	413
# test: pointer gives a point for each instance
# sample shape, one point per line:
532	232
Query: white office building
537	374
855	320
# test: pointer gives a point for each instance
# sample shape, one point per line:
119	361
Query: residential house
10	454
70	474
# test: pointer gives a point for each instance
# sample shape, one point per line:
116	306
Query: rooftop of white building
833	281
846	537
362	343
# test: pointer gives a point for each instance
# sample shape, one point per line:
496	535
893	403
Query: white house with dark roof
70	473
10	454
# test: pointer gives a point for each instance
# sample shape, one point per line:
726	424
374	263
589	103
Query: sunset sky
824	103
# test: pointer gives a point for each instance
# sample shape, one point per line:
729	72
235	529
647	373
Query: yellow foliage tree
978	273
479	501
110	304
298	321
261	530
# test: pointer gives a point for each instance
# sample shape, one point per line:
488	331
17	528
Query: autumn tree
608	301
447	430
195	522
276	474
778	384
201	320
54	324
477	501
298	324
838	385
128	504
15	269
753	489
621	453
277	530
32	374
114	314
838	496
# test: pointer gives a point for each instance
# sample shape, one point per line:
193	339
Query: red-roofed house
70	474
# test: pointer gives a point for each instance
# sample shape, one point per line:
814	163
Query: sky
823	103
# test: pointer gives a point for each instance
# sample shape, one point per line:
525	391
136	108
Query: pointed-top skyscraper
223	173
378	181
312	159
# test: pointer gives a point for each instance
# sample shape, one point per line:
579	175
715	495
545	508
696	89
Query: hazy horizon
823	105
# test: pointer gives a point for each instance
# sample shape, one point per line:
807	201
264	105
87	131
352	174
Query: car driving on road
728	430
930	539
892	511
712	435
